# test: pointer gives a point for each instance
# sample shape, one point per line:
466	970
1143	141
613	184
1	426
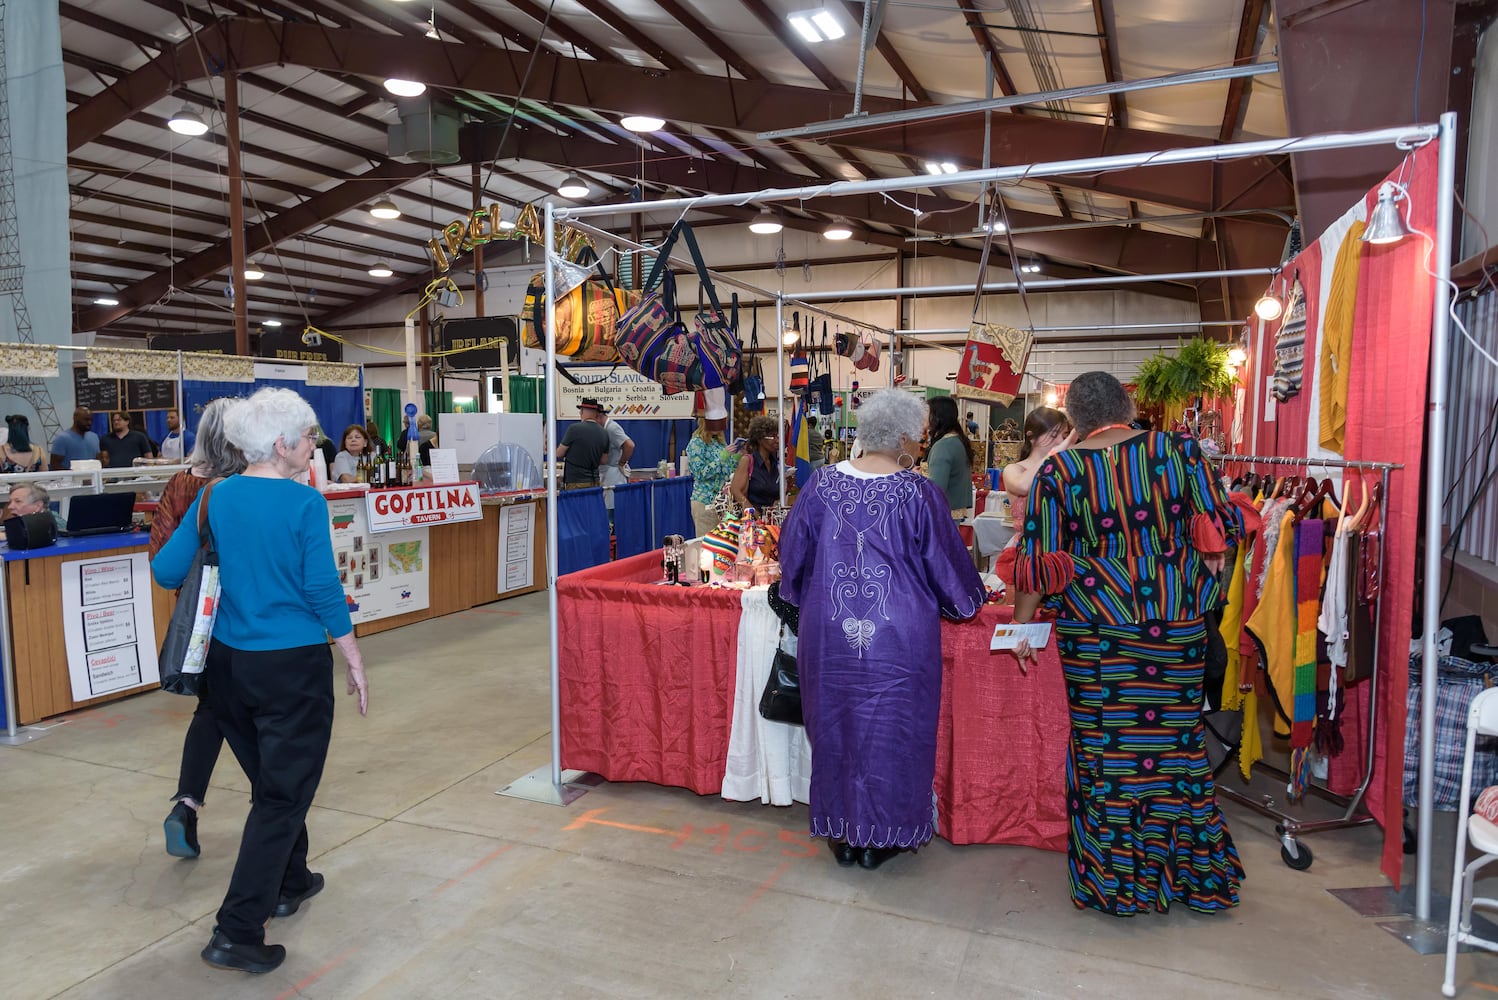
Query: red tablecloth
647	682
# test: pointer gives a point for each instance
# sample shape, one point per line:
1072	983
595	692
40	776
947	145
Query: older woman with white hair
873	559
268	680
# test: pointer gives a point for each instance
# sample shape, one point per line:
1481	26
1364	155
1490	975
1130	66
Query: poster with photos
382	575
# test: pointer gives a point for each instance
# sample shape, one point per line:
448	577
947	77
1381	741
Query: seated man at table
583	447
124	445
29	498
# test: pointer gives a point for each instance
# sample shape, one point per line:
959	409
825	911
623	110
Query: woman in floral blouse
710	463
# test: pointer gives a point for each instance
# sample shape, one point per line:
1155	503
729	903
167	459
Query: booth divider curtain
336	406
582	530
525	394
634	509
673	508
385	410
652	439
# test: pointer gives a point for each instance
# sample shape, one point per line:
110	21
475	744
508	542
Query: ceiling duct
427	131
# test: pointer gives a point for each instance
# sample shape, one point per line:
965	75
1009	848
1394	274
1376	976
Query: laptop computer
99	514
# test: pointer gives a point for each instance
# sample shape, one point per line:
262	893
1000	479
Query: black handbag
781	700
181	665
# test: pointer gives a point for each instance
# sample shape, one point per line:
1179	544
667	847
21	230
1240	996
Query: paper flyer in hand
1007	636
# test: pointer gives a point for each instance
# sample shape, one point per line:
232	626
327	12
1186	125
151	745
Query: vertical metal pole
779	394
7	672
863	58
549	442
236	214
1435	483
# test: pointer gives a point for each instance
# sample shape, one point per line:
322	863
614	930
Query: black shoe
287	905
221	953
181	828
873	857
845	853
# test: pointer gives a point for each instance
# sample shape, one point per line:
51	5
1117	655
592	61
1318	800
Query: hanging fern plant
1198	368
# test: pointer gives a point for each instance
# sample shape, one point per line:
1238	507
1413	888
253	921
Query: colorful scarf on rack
1310	545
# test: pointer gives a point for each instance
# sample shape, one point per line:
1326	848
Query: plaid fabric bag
1459	681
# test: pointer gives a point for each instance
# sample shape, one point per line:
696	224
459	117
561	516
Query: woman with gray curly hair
1123	538
268	680
212	458
871	555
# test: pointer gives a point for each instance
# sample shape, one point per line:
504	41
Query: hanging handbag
781	700
184	651
994	358
754	380
652	339
819	387
587	316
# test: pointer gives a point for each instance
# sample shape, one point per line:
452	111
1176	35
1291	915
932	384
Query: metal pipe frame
1036	285
1435	496
888	118
1418	134
1088	327
1128	220
1410	134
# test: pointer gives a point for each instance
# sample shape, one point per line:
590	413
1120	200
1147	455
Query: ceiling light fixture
819	25
1030	268
765	223
505	224
384	209
405	88
187	121
252	271
573	186
643	123
936	168
996	227
1387	224
790	337
430	24
837	229
380	270
1236	356
270	322
105	300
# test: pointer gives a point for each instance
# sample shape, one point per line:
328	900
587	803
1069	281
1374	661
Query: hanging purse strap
660	271
205	530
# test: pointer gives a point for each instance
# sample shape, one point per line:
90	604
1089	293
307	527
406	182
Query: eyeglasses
312	436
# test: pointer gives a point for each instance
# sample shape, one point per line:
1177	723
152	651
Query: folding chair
1482	719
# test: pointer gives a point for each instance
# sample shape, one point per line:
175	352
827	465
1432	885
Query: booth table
647	681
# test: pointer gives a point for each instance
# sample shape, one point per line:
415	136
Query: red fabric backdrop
1386	409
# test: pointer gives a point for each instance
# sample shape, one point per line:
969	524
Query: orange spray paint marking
766	885
334	963
590	818
476	866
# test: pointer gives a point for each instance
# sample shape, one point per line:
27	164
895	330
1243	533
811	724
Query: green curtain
932	392
525	392
385	409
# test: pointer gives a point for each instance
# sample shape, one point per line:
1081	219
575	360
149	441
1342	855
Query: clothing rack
1287	826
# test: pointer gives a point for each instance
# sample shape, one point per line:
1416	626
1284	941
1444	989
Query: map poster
109	627
382	575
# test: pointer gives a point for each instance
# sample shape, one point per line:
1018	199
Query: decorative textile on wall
332	373
217	368
28	360
117	362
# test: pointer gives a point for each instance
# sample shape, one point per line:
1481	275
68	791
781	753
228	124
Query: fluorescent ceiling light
573	186
270	322
405	88
765	223
380	270
105	300
384	209
996	227
506	223
837	229
1029	269
818	25
187	121
252	271
642	123
944	167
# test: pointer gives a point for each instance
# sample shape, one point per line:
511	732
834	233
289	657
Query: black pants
200	749
275	708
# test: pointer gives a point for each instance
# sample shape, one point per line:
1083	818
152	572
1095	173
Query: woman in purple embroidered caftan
871	556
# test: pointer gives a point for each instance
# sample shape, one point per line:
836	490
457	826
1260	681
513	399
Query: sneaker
287	905
181	828
221	953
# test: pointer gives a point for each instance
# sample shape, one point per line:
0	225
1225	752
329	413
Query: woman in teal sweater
269	675
949	461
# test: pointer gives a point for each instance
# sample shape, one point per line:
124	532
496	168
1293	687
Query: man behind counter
583	447
75	443
122	447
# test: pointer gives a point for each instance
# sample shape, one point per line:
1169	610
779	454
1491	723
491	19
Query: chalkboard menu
98	394
150	394
286	345
461	334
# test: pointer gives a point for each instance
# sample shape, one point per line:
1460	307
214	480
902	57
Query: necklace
1109	427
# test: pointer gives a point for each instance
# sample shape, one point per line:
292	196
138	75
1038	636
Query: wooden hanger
1369	497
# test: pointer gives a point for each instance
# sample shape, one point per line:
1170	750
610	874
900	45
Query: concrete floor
438	887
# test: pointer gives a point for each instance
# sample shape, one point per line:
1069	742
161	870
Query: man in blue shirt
179	441
77	442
